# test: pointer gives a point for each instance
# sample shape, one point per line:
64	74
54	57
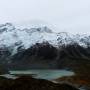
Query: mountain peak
6	27
28	37
43	29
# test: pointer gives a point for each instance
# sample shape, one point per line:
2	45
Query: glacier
12	37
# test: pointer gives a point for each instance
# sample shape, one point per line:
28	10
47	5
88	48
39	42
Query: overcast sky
67	15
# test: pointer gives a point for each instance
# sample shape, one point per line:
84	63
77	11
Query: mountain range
41	48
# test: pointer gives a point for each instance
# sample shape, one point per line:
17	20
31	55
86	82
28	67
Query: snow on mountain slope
13	38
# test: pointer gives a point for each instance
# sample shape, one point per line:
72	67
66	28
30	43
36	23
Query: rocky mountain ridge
13	38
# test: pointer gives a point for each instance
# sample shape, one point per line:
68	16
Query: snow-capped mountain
12	38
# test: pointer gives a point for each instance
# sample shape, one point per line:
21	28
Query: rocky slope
30	83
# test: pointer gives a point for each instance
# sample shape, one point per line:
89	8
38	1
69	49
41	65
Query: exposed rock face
76	58
29	83
45	56
4	56
39	56
44	50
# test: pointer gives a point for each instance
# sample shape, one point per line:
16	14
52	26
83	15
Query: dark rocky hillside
45	56
39	56
29	83
74	57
